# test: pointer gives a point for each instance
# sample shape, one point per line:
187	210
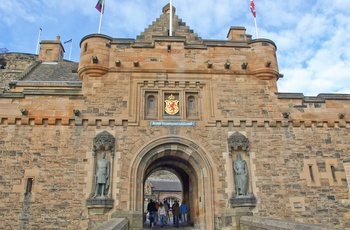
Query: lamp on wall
117	62
136	63
227	64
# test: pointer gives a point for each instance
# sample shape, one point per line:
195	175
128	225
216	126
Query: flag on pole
68	41
99	6
252	8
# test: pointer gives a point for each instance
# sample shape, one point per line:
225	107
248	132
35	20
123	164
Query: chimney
51	50
237	33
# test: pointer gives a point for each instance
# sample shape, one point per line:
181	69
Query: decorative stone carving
104	141
238	141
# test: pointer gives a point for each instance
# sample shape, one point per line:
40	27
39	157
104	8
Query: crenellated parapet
110	122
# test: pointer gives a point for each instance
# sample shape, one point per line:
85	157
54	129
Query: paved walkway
168	226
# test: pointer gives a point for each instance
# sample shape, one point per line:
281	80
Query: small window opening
311	173
190	103
48	51
333	173
29	185
169	48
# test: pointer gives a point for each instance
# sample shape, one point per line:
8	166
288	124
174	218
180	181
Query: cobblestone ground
168	226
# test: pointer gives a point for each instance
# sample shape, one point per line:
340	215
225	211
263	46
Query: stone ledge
250	223
100	205
114	224
243	201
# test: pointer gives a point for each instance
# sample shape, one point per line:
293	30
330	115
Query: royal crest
171	105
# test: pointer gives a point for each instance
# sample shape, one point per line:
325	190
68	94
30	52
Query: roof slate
60	71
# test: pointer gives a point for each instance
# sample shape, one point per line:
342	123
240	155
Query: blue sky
311	36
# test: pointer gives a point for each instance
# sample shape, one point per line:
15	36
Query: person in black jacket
151	208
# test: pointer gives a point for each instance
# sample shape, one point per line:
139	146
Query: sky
312	36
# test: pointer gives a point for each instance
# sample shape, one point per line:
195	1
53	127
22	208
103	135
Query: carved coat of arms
171	105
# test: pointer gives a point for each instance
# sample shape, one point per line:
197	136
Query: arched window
192	106
151	106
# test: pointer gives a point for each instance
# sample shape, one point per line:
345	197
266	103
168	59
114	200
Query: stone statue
102	176
241	176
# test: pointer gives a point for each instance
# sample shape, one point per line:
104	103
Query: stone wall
297	158
57	157
16	64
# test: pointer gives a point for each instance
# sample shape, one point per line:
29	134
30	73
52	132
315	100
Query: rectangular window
29	185
311	173
333	173
151	106
192	107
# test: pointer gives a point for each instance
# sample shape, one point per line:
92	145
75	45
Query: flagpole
37	44
252	9
256	28
171	19
70	51
103	6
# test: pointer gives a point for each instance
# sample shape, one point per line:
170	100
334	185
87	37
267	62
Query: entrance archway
190	163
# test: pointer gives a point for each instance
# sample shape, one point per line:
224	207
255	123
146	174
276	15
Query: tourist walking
161	213
151	208
166	206
183	212
176	212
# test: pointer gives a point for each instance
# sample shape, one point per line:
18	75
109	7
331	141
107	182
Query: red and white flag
252	8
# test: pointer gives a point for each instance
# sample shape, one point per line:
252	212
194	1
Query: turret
94	55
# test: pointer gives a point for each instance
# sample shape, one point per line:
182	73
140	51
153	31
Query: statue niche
238	145
102	177
103	154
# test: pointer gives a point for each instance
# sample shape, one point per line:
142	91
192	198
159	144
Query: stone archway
193	167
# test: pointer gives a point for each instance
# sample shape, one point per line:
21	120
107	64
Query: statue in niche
102	176
241	176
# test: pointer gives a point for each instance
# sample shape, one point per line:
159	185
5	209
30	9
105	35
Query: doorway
190	163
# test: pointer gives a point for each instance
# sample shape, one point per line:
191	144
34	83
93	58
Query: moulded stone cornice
266	74
262	40
103	36
92	71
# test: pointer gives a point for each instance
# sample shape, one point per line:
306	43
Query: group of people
162	210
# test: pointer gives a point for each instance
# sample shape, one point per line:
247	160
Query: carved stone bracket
99	206
104	141
243	201
238	141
